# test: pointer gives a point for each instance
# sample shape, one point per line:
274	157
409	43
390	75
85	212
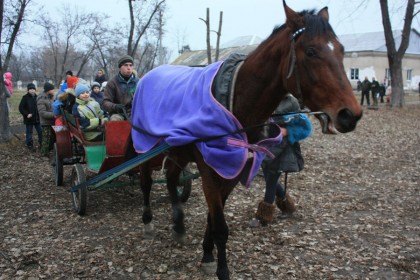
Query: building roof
196	58
243	41
375	41
371	41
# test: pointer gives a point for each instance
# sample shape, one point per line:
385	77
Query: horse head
315	71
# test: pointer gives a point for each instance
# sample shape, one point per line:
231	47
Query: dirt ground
358	216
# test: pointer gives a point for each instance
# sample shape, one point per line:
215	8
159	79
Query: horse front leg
146	186
208	265
217	231
172	176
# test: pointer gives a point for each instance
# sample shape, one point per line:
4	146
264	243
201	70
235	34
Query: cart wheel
184	189
79	197
57	167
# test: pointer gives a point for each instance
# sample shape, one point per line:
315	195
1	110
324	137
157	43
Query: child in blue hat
90	115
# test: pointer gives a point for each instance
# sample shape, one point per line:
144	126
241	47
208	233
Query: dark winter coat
287	156
28	106
44	104
374	87
119	91
98	97
101	79
366	86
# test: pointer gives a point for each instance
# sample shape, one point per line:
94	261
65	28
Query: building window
387	74
354	73
409	72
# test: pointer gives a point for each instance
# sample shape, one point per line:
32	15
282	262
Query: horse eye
310	52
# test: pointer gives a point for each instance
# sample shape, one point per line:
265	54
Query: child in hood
89	112
8	81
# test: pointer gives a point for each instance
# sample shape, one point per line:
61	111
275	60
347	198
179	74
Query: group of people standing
377	91
93	105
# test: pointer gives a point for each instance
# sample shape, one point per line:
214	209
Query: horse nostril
346	120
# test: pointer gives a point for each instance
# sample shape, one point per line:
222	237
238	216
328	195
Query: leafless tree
63	36
142	17
106	40
219	33
395	55
207	22
10	25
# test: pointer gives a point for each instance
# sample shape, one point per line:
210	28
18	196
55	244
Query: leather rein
293	65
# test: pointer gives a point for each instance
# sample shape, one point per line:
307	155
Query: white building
365	55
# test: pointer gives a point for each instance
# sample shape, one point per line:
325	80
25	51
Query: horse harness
293	64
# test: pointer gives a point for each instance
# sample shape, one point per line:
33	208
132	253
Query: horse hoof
178	237
149	231
209	268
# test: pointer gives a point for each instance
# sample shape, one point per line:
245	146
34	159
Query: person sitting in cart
90	115
119	91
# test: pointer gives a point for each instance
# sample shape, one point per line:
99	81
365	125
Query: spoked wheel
57	167
79	197
184	189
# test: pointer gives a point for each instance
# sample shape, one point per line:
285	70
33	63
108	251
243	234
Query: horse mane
314	24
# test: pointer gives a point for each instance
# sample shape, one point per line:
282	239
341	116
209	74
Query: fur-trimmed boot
265	213
286	205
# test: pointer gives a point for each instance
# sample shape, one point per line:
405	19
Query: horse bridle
293	63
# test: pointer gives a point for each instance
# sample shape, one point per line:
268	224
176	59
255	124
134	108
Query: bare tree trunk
132	25
134	40
5	131
395	56
207	22
219	33
15	32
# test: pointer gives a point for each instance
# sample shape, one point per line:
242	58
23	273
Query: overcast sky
245	17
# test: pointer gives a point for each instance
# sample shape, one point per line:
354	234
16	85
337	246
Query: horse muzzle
346	121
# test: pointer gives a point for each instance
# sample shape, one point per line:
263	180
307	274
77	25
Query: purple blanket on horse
175	104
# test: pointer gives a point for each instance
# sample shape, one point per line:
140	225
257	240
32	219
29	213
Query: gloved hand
119	108
298	127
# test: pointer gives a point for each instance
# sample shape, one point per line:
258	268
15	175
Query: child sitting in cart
88	111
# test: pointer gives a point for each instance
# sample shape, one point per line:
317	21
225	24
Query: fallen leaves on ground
358	217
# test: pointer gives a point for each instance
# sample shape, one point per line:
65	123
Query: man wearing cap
46	116
119	91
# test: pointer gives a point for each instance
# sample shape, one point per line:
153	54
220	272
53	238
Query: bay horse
303	57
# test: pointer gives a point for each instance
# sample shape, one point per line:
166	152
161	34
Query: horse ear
324	13
293	20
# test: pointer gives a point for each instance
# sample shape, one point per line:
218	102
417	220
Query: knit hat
48	86
31	86
81	88
124	59
95	84
72	81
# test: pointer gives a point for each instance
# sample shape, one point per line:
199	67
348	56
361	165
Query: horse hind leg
172	176
146	186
